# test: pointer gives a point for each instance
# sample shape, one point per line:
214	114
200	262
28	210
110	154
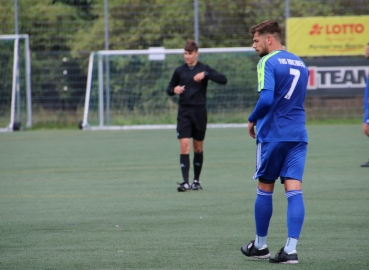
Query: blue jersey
283	77
366	95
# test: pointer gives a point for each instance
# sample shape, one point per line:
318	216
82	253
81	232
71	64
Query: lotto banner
327	36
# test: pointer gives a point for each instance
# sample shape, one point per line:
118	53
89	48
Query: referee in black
190	82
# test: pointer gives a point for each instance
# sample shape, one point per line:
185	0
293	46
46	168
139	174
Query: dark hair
191	46
267	27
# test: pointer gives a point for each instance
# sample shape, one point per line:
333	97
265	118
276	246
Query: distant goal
125	89
15	84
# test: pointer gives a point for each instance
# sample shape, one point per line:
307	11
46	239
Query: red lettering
327	30
311	77
359	28
337	29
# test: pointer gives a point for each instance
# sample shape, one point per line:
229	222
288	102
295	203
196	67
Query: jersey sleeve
262	106
266	78
173	83
215	76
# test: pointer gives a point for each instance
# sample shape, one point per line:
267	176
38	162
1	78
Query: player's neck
192	64
275	47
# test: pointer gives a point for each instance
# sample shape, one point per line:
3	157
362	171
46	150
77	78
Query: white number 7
296	74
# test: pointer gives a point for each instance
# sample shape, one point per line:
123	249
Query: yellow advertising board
327	36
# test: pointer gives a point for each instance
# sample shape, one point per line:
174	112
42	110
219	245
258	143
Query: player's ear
269	39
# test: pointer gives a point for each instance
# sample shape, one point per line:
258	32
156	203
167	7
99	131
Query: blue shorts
366	117
280	159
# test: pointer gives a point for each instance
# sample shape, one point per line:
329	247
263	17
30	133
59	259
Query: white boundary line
155	127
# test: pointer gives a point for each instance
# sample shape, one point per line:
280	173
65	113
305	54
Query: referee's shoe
184	186
196	185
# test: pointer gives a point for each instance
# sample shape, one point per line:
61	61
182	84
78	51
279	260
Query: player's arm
263	105
251	129
215	76
210	74
173	84
266	84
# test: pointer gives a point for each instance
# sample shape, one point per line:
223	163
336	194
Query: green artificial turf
76	199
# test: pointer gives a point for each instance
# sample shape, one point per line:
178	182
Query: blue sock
263	211
295	218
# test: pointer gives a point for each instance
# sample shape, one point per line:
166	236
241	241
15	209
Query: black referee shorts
191	122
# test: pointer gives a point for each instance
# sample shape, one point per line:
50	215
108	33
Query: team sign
337	77
327	36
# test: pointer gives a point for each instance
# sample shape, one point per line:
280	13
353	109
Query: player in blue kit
366	106
281	138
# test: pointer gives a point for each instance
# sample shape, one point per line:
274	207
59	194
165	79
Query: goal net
15	85
127	89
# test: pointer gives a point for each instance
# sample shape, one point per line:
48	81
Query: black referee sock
185	166
197	164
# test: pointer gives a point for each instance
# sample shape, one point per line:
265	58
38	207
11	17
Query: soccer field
108	200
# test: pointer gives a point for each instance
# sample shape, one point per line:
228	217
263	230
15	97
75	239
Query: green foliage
7	18
74	28
83	7
48	25
6	71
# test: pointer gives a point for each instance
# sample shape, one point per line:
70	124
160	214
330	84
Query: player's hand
179	89
251	128
199	77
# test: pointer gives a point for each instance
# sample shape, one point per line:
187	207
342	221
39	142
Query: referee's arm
215	76
172	84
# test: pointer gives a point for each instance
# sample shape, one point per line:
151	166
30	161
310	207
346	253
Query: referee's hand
179	89
199	77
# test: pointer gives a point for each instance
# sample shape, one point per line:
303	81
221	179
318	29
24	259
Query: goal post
131	94
15	87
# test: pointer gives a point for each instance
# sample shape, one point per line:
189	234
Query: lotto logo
337	77
337	29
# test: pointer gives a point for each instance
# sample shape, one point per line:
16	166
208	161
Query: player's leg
263	210
291	176
185	157
198	160
184	160
199	120
295	213
366	131
267	171
184	130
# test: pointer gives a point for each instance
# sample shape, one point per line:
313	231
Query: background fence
64	32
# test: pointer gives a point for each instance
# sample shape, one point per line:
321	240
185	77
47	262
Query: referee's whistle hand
179	89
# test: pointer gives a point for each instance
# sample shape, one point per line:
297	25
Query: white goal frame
154	54
15	82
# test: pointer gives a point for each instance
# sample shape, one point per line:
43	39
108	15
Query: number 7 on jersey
296	74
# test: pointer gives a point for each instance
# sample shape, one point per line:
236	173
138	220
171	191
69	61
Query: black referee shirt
195	92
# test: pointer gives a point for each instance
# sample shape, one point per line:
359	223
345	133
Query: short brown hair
191	46
267	27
